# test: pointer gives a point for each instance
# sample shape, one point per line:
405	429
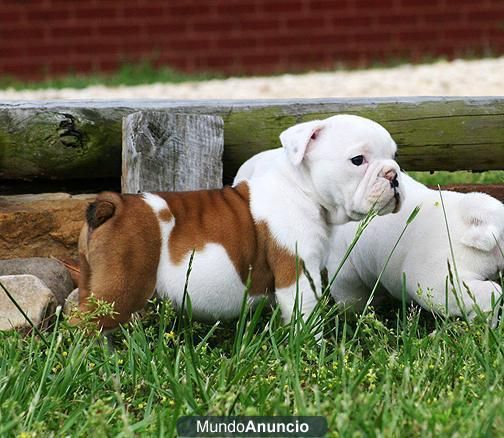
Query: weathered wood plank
171	152
78	139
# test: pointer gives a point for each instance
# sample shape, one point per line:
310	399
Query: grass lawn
460	177
128	74
398	372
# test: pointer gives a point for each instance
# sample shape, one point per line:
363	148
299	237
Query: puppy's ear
297	138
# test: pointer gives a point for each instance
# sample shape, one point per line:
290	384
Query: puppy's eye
357	160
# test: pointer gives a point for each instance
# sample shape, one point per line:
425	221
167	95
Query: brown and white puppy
330	171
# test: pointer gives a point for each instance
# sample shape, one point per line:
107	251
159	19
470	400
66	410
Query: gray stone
54	275
71	302
32	295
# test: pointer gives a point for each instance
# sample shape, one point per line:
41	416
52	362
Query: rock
41	225
71	302
32	295
53	273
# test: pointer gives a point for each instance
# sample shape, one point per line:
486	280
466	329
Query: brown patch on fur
282	261
223	217
119	260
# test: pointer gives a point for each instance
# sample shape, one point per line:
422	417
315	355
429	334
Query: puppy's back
483	219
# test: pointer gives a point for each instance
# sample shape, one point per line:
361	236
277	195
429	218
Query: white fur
310	184
155	202
214	286
476	224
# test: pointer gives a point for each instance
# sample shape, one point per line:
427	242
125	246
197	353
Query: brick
373	38
325	6
398	19
282	41
71	31
166	29
443	17
189	44
430	4
12	53
11	16
135	12
383	5
422	35
306	23
48	15
236	8
260	59
488	16
353	21
21	34
462	33
236	43
192	10
123	30
215	62
214	25
283	6
260	24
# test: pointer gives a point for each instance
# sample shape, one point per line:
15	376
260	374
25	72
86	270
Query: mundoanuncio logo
252	426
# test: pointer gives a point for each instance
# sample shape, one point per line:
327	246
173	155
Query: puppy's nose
391	175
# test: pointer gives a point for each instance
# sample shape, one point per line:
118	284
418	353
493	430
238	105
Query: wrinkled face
350	162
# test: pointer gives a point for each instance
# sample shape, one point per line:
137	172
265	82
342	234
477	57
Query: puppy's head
349	163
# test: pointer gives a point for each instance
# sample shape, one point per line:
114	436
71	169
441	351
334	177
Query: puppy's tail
102	209
483	218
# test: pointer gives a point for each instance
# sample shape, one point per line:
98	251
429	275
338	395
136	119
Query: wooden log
162	151
79	138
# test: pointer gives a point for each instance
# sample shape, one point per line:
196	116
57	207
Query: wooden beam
61	140
164	152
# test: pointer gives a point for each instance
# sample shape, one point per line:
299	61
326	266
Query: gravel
456	78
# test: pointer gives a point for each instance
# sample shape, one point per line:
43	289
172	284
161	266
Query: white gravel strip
457	78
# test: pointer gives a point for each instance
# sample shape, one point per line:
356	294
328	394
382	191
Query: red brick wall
240	36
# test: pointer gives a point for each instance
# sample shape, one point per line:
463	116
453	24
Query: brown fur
119	261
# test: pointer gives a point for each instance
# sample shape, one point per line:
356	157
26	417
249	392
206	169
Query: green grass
404	373
393	371
128	74
460	177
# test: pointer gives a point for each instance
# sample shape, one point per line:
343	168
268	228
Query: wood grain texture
77	139
162	151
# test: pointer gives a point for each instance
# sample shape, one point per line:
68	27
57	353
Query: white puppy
328	172
476	228
476	225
